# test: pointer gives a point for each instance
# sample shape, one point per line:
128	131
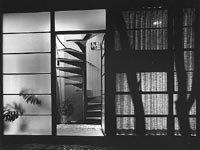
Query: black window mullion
53	72
1	77
110	82
170	75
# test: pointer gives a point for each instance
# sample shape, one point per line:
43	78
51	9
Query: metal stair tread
90	97
73	83
71	60
87	37
91	111
68	68
91	104
73	76
93	118
70	50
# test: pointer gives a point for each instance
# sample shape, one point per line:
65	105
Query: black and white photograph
100	75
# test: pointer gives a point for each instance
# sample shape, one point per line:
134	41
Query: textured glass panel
124	105
188	37
80	20
192	121
32	83
146	30
188	16
20	43
151	39
26	22
154	104
189	60
29	125
189	81
193	108
154	81
145	19
125	125
16	101
121	82
27	63
150	81
156	125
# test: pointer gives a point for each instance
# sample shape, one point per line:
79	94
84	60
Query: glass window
27	63
192	110
29	125
21	43
124	105
145	29
192	121
13	84
156	125
18	101
26	22
150	81
125	125
154	104
80	20
189	81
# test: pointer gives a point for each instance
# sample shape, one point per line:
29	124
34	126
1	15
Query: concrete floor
79	130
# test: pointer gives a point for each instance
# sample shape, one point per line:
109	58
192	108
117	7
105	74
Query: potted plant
66	110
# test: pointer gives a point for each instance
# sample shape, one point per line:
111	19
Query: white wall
94	71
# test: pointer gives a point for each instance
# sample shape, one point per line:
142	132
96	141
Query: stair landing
79	130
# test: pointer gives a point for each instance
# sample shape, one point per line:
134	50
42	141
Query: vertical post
53	73
1	77
170	73
110	119
85	89
197	63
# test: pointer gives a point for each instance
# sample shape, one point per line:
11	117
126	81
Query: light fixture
157	23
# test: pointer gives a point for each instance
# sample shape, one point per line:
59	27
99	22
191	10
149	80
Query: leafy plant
33	99
66	108
12	112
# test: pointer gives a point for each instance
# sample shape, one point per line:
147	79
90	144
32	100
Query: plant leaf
10	114
28	97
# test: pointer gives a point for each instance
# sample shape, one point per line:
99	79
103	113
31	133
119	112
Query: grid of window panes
155	103
146	30
27	72
188	50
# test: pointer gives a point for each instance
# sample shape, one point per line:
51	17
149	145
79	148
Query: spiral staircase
92	104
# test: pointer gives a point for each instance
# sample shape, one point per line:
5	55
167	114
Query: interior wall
93	58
